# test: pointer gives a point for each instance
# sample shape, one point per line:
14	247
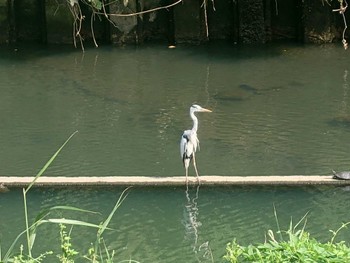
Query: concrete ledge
17	181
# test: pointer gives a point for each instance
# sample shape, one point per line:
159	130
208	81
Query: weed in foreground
68	253
298	246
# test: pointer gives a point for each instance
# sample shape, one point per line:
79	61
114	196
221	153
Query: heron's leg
195	167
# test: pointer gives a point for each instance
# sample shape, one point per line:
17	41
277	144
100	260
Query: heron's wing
183	144
194	140
188	144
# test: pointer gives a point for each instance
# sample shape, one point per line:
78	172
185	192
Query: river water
277	110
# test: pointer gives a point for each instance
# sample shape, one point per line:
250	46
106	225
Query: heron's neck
195	122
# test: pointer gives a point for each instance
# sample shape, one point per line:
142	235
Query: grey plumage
189	141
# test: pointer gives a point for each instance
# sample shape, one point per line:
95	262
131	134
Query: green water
162	225
277	110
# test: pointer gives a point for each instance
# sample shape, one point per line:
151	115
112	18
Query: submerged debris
3	188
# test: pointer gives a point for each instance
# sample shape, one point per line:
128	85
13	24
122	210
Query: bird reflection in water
192	224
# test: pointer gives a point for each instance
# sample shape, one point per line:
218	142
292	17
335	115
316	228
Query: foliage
27	259
298	247
96	4
68	253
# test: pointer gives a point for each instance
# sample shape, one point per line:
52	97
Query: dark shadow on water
26	52
226	51
340	121
248	88
245	91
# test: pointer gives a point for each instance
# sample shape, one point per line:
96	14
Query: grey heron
189	141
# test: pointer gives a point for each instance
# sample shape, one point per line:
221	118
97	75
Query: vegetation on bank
294	245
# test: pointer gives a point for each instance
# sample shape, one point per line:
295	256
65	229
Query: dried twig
92	28
341	11
204	5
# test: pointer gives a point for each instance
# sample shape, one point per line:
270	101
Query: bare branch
342	11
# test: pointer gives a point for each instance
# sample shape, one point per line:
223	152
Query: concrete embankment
54	181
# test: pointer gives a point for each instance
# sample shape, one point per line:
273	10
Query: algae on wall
4	26
30	20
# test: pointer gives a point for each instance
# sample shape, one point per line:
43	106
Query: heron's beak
205	110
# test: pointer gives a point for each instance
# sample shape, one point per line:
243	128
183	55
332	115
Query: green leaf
49	162
69	222
119	202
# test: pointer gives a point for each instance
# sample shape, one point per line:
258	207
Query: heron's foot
198	180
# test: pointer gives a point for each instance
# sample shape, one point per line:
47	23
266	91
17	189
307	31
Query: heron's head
197	108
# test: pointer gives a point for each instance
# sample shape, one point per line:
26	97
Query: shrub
298	247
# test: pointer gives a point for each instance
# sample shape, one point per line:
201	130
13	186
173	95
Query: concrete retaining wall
242	21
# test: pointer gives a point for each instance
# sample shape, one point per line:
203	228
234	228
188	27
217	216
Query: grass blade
25	191
39	219
49	162
119	202
103	226
47	211
69	222
277	222
9	251
301	220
